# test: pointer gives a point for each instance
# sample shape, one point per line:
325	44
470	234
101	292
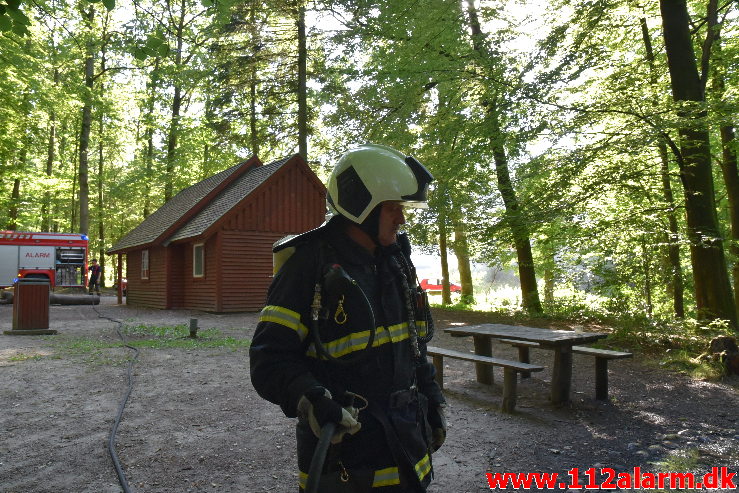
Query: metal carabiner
340	316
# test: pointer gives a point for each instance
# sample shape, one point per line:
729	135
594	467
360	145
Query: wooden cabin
210	247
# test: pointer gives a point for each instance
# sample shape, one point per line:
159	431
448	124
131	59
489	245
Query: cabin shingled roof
226	200
178	207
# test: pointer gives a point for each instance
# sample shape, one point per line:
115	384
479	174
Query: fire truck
59	257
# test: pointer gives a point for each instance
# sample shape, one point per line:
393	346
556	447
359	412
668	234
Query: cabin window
144	264
198	260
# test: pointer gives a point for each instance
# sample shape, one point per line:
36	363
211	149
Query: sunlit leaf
19	17
19	29
5	23
140	54
152	43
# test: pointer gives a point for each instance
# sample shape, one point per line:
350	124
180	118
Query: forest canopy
588	144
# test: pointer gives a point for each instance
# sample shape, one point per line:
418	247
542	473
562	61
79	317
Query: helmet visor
423	179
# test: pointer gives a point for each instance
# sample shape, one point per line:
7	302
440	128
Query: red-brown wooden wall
238	249
147	292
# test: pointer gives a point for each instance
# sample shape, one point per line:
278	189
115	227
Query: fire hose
319	457
114	430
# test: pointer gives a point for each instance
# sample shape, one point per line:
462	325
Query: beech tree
713	293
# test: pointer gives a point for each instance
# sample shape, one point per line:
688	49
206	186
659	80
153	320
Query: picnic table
560	341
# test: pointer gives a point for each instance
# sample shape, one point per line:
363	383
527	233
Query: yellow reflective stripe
421	324
398	332
386	477
357	341
347	344
284	317
423	466
302	479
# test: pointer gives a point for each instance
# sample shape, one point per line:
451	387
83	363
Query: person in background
95	271
342	338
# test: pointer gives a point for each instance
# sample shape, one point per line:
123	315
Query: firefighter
95	271
356	355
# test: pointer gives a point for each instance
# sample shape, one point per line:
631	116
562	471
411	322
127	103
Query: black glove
317	406
437	420
324	408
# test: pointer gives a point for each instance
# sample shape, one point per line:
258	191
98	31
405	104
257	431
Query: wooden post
120	278
483	347
523	357
601	378
561	374
439	365
510	380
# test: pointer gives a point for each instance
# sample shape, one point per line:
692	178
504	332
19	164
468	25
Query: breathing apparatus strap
320	313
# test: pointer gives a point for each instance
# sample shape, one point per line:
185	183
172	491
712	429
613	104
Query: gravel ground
194	422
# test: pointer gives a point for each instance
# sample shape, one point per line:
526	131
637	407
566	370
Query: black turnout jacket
391	449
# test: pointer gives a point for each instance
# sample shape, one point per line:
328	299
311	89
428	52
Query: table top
545	337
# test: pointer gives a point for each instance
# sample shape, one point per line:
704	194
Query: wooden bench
601	361
510	368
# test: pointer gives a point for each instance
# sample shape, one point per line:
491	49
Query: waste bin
31	307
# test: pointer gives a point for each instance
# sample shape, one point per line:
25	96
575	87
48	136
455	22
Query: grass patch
178	336
682	460
91	351
685	362
17	358
98	351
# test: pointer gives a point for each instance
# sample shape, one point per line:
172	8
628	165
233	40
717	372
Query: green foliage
565	89
12	19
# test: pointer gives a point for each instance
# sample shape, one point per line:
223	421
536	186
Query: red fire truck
59	257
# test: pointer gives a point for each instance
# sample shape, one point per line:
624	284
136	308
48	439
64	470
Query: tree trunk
46	206
446	295
15	199
149	155
549	265
673	250
253	137
526	271
84	142
730	172
729	168
176	105
302	85
50	156
101	170
521	238
206	158
101	214
646	261
713	293
75	175
461	250
673	247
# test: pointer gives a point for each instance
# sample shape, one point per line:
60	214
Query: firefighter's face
391	218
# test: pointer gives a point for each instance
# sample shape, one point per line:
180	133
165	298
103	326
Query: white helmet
370	174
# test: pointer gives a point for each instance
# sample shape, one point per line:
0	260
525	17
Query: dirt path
194	422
